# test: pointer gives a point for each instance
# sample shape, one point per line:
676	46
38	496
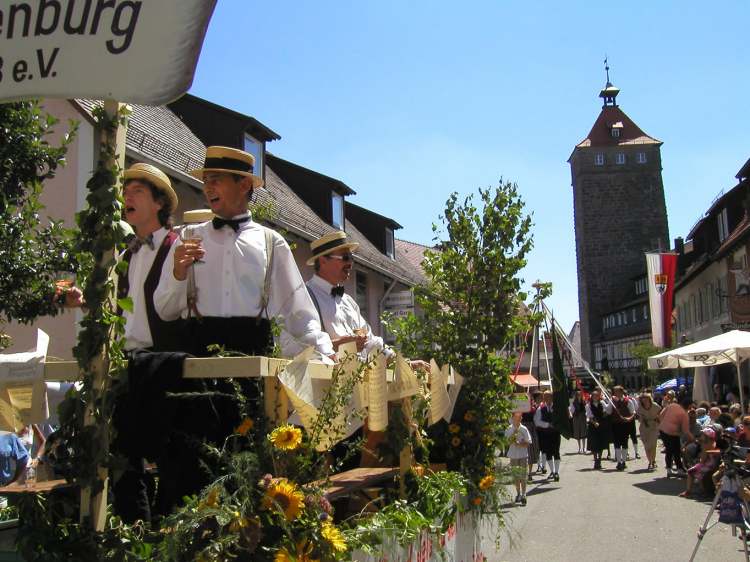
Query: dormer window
390	245
255	147
337	210
599	159
723	223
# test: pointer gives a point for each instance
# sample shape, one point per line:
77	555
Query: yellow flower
456	441
304	554
470	416
246	425
454	428
238	523
285	496
211	500
486	482
334	536
286	437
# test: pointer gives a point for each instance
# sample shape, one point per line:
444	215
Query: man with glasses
339	313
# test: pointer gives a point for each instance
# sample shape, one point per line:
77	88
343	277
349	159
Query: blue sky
408	101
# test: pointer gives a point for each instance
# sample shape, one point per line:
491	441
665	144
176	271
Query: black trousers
621	432
672	452
549	443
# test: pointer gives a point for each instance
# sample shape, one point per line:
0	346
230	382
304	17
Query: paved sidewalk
607	515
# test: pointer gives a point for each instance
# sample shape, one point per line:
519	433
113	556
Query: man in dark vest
596	410
549	436
149	203
623	412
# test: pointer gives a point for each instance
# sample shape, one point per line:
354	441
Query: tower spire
609	93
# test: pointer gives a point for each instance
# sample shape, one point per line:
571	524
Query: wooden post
94	505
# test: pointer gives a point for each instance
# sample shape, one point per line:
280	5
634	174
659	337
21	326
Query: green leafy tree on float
470	314
33	253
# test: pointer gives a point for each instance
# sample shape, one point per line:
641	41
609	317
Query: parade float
276	493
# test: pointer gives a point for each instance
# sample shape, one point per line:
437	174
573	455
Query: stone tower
618	199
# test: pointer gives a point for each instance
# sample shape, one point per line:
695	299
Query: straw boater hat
231	161
156	177
330	243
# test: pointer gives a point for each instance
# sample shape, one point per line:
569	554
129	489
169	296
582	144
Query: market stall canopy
527	380
732	347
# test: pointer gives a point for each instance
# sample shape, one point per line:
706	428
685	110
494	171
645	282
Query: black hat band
228	164
330	245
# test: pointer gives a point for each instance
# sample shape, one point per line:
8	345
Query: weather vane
606	68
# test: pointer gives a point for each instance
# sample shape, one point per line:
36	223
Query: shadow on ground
662	486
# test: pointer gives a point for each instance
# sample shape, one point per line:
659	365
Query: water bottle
30	475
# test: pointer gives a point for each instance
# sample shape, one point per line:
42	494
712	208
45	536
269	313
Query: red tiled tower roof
601	132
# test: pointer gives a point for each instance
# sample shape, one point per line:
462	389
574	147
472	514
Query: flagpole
577	354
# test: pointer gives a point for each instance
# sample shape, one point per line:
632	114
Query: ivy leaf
126	304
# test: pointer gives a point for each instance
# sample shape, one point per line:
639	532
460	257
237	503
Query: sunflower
470	416
486	482
285	496
454	428
286	437
334	536
304	554
246	425
456	441
211	499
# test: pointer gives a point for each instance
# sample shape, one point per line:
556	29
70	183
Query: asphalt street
608	515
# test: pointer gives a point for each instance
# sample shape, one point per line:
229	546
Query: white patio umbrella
731	347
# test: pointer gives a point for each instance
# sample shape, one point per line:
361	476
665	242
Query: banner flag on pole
661	269
560	402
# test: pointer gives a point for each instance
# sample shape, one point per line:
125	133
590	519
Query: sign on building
400	303
127	50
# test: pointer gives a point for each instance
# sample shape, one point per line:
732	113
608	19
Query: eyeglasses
343	257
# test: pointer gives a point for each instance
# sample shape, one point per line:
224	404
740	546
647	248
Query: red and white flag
661	274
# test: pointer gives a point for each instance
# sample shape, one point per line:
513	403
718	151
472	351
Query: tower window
620	158
599	159
641	157
615	133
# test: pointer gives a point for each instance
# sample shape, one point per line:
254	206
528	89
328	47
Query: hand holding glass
192	236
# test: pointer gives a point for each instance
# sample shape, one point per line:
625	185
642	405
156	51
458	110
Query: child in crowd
519	439
709	460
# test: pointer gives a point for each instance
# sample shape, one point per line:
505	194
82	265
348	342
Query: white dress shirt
137	330
230	283
606	410
538	421
518	435
341	317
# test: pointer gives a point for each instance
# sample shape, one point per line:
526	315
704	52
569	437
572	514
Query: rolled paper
405	382
377	407
455	382
307	394
439	399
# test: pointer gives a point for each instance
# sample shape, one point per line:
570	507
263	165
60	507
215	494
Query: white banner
126	50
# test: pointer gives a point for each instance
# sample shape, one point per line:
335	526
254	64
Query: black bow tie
136	243
337	291
234	224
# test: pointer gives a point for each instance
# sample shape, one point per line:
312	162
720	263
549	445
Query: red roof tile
630	133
